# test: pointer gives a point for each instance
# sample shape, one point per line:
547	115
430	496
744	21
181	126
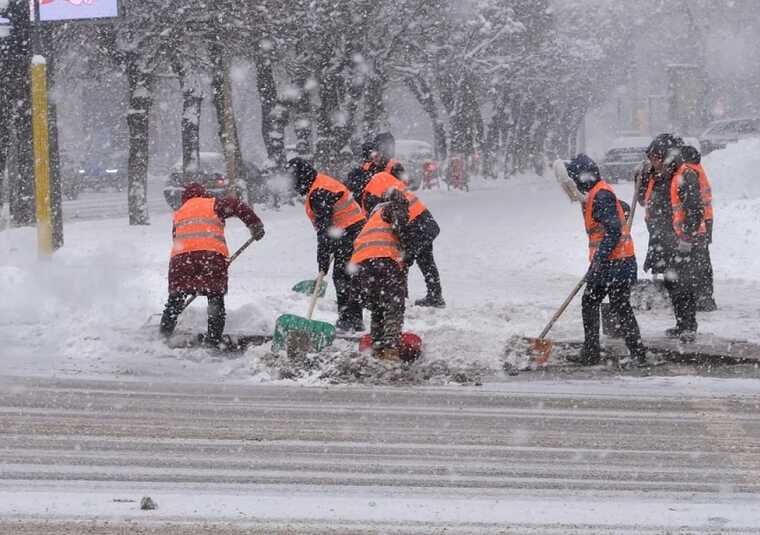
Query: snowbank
735	170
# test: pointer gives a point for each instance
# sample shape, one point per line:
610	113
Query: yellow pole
41	156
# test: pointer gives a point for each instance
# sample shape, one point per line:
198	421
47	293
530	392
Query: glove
257	232
683	247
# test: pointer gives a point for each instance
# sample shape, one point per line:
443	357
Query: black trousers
348	303
381	286
704	271
216	315
420	235
620	307
681	282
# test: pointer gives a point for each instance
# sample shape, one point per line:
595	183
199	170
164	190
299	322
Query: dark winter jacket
358	178
624	270
663	242
323	206
205	272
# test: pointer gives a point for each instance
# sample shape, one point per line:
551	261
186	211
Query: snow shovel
313	335
192	297
307	287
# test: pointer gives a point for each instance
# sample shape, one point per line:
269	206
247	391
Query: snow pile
735	171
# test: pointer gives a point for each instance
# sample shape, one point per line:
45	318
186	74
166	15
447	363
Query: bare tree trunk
140	100
192	102
424	95
274	115
222	96
22	202
303	118
375	115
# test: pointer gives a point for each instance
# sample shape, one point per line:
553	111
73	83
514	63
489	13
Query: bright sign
62	10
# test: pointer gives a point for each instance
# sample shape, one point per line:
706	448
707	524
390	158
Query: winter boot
684	335
588	356
706	304
429	300
391	354
348	324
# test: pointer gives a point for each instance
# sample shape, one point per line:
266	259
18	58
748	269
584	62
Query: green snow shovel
307	287
312	335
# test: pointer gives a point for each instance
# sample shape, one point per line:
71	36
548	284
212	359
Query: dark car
212	174
105	170
625	154
721	133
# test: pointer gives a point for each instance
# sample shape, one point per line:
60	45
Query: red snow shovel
410	349
192	297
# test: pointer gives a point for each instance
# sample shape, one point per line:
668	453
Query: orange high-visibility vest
198	228
679	214
377	240
379	185
704	189
346	211
595	230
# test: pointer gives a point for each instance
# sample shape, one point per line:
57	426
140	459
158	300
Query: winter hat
662	145
691	154
386	144
303	174
584	172
193	190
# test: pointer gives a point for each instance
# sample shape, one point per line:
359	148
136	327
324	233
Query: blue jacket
623	271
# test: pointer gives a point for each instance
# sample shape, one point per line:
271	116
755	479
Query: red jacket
205	272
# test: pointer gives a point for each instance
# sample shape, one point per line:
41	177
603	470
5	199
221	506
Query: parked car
212	174
626	153
721	133
419	161
105	170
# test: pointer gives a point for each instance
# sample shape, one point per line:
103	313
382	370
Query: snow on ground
509	253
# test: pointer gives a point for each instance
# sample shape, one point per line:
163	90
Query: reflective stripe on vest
595	230
704	189
198	228
379	185
346	211
679	214
377	240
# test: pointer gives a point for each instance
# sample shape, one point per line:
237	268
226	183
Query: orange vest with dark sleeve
595	230
346	211
198	228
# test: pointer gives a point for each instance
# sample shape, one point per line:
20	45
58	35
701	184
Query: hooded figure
358	177
612	264
337	219
675	214
385	156
198	264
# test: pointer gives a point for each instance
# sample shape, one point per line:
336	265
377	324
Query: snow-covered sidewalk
509	252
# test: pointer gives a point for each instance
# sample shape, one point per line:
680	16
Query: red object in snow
411	346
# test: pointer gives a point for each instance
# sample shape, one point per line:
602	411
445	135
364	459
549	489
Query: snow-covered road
667	455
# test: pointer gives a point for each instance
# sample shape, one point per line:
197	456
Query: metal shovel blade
540	349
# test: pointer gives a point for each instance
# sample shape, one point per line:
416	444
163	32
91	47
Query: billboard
63	10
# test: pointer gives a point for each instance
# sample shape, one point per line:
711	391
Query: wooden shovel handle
562	308
315	295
